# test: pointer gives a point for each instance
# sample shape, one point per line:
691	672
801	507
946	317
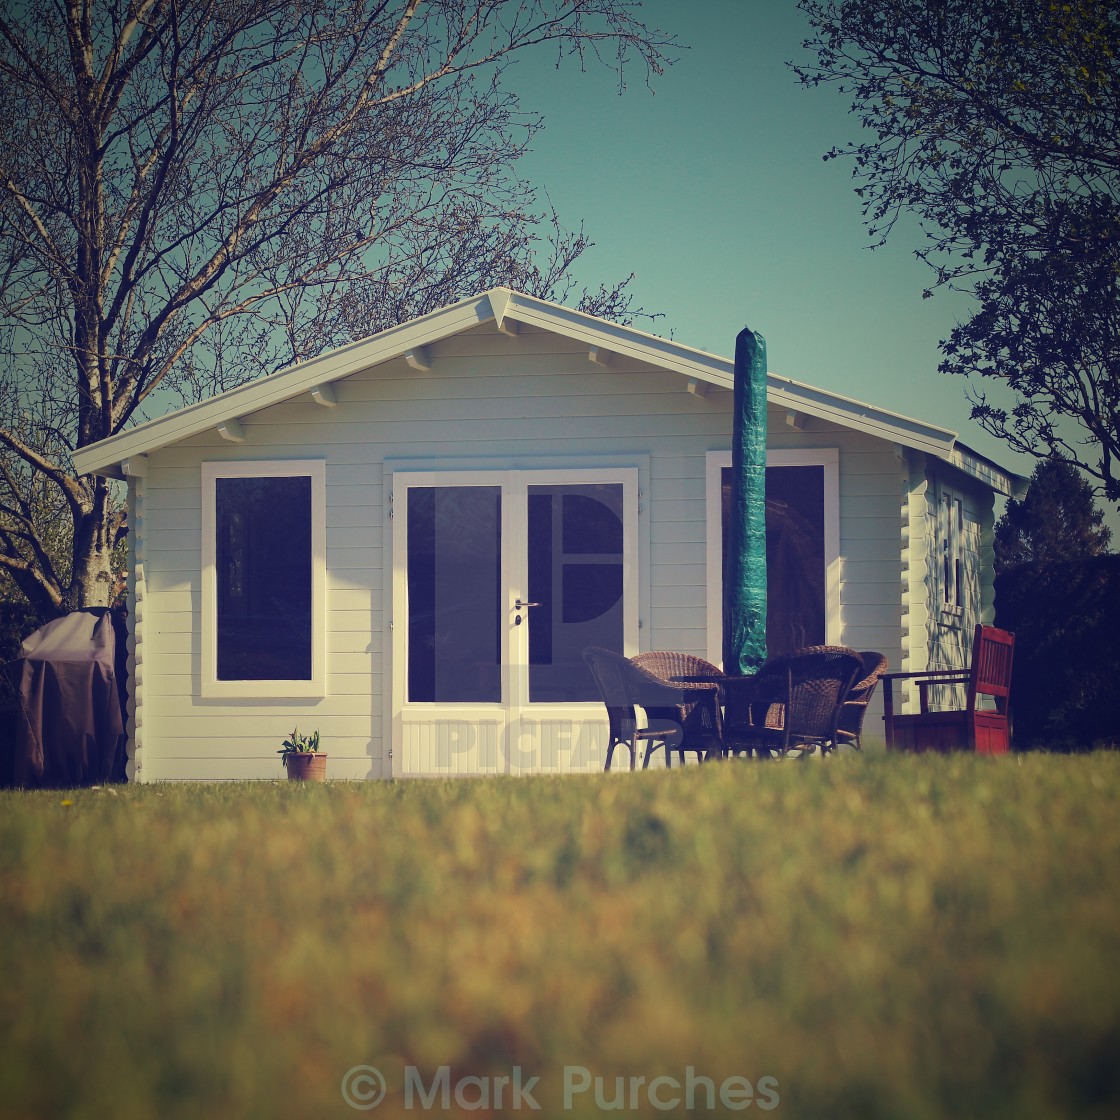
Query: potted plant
300	756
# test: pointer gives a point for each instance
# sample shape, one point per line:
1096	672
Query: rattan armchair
854	709
792	703
697	712
678	716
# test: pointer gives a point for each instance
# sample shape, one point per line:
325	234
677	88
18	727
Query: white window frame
952	577
826	457
316	470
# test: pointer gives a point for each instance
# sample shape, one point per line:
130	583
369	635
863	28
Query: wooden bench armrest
941	673
925	680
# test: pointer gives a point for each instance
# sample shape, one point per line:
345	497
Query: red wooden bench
984	730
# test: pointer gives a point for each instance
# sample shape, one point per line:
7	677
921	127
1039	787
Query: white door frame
512	736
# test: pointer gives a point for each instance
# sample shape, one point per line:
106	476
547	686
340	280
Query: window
950	535
577	571
802	548
477	543
263	566
455	601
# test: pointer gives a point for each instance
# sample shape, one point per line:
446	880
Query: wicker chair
792	703
700	720
609	672
625	686
854	709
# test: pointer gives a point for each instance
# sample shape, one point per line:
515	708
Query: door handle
519	604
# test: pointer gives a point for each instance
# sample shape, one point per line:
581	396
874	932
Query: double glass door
502	580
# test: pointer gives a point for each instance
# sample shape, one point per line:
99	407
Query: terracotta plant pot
306	767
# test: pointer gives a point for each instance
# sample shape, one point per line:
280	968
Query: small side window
951	544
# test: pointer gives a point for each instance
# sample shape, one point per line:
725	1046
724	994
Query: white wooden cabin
344	545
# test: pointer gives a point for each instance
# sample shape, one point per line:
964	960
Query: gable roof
123	453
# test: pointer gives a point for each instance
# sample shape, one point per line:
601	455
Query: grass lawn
863	937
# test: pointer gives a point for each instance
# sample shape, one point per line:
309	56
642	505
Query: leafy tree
1056	522
996	124
192	194
1058	590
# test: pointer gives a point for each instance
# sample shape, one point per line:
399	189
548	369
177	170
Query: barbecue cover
70	723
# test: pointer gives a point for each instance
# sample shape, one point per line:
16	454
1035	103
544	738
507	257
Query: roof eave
508	309
105	456
1002	481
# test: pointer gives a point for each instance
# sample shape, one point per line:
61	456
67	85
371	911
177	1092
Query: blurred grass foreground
861	937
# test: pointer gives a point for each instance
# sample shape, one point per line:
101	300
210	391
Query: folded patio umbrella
744	581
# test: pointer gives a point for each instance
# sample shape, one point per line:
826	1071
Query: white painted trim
138	613
916	563
500	300
826	457
316	470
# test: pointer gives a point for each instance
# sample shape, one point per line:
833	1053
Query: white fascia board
622	341
978	466
103	457
860	416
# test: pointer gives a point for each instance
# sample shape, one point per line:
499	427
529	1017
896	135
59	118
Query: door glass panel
455	612
795	577
576	575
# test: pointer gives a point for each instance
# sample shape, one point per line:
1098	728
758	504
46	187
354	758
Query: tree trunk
92	581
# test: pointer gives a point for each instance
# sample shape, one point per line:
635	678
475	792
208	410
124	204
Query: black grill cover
70	720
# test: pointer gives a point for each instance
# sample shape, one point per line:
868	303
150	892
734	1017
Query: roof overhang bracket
324	395
796	420
136	467
419	359
697	387
232	431
600	355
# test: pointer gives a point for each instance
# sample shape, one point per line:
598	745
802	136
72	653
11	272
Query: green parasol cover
744	582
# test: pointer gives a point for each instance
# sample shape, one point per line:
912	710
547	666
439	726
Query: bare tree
193	193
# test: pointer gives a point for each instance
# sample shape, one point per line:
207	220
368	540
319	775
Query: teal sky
713	191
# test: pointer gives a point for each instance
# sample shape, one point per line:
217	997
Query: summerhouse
406	543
